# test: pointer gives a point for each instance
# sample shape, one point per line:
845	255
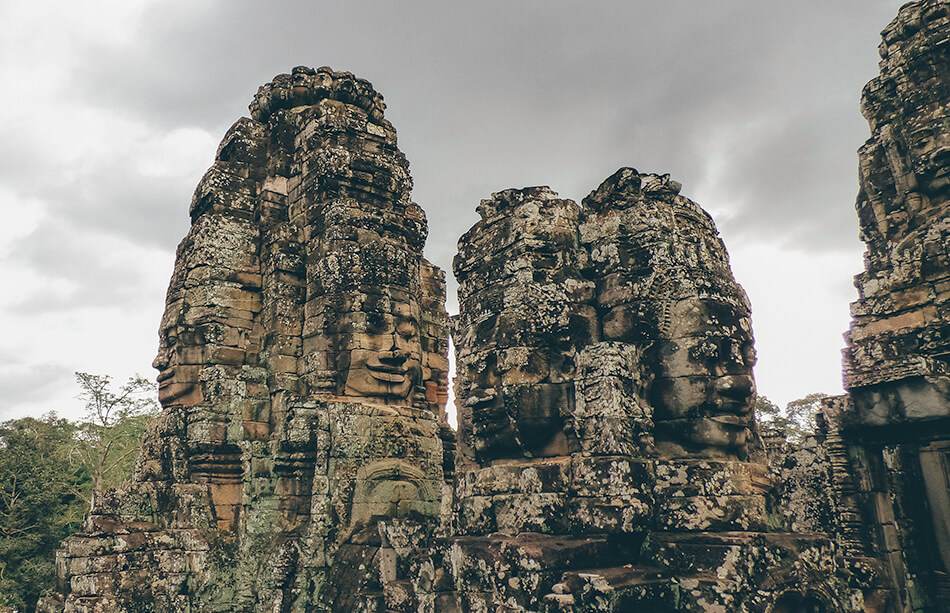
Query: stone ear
342	370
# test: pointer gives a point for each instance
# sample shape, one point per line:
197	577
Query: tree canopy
796	420
41	503
49	469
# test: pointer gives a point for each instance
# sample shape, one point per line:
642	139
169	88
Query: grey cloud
77	272
105	195
22	163
119	201
111	205
30	384
87	209
793	185
496	94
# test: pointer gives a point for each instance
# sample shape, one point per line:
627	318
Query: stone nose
161	361
735	387
400	345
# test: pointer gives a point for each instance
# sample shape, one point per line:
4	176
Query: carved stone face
929	145
393	488
386	361
491	427
906	104
179	343
208	318
704	392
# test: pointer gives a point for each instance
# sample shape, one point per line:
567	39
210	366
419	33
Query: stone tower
891	432
608	457
302	374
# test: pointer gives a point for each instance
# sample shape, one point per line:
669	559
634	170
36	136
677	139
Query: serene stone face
703	392
523	314
210	314
929	146
484	411
175	380
917	117
664	287
386	361
905	165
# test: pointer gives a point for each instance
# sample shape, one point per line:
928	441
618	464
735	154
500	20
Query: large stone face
524	313
664	285
608	456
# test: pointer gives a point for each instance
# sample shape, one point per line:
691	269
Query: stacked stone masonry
607	457
888	439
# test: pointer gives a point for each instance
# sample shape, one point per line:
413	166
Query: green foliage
49	469
796	420
766	411
115	423
40	504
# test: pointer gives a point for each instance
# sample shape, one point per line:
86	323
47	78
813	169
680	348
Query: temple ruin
892	429
607	457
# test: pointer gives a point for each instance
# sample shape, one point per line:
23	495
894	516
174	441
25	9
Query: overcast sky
112	110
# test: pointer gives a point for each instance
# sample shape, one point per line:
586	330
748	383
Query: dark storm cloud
494	94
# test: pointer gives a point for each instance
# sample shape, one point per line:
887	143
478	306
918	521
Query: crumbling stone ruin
607	457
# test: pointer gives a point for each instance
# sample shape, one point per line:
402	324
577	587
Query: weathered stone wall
899	330
892	432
